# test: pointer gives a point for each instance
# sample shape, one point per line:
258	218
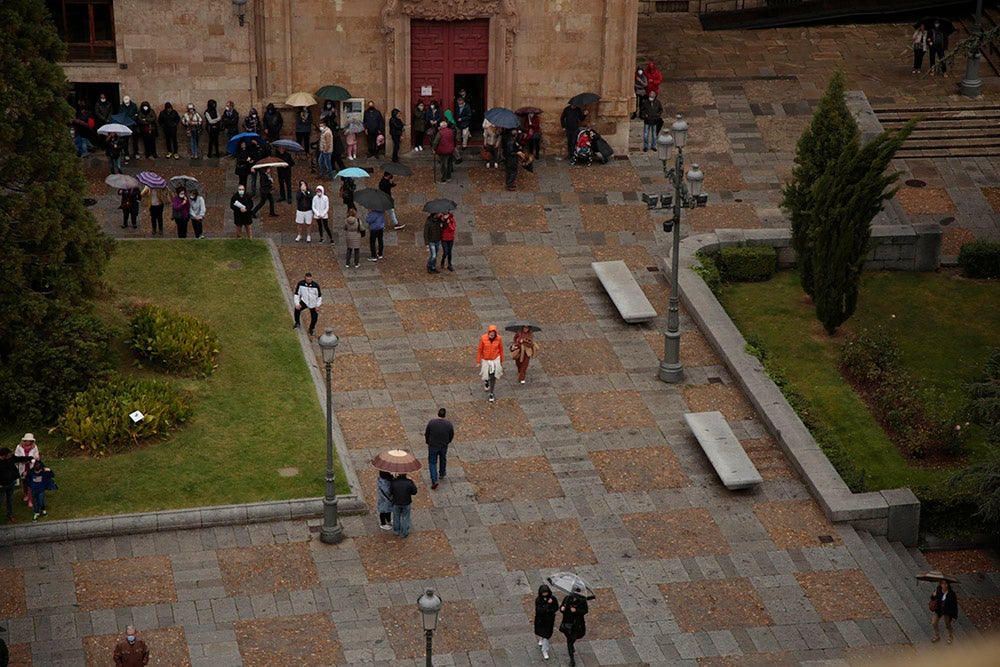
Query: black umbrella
397	168
335	93
520	324
583	99
440	206
947	27
502	117
373	200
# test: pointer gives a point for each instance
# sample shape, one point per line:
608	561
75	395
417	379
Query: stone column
618	47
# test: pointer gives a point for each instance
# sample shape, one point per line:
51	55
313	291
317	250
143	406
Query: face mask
131	638
241	192
104	99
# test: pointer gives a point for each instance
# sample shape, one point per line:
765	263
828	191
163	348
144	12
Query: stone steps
955	131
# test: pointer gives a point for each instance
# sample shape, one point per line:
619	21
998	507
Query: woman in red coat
653	79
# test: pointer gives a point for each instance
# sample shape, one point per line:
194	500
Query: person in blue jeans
651	112
438	435
376	231
38	479
432	237
403	490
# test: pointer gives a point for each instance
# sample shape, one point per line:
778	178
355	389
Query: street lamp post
429	606
331	533
972	86
685	196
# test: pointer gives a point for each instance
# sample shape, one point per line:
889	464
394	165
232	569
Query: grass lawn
257	413
945	326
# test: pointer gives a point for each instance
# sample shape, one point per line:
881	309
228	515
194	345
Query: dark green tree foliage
52	252
831	131
845	200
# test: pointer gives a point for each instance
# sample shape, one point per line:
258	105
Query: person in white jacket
308	295
321	213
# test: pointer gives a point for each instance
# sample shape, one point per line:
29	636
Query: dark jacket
241	217
432	234
266	182
169	118
385	185
545	612
347	189
571	117
949	605
303	200
395	125
651	110
131	111
273	122
304	123
402	490
439	432
511	149
102	111
8	469
373	121
287	158
230	120
463	116
147	119
574	624
38	480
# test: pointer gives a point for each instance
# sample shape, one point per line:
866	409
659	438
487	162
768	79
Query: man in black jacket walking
438	435
402	489
9	475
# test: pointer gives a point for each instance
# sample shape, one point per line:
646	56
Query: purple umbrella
151	180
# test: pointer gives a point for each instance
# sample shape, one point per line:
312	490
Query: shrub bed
177	342
980	259
97	419
747	264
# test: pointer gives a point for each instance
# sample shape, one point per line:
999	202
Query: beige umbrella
269	162
396	461
300	99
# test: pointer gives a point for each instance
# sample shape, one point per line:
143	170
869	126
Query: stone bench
725	452
624	291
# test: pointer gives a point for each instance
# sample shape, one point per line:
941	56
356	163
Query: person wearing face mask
169	121
230	120
102	110
252	122
651	113
432	118
212	120
303	126
131	651
130	110
197	212
328	115
374	124
148	130
191	121
242	204
419	125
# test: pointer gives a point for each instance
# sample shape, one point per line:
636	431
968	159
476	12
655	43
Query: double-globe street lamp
686	195
429	606
331	533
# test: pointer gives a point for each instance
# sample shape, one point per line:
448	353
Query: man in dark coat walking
402	489
438	435
574	625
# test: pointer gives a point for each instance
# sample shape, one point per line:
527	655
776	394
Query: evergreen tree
845	200
831	130
52	252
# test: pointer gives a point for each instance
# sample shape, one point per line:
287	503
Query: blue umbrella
352	172
288	145
234	143
502	117
122	118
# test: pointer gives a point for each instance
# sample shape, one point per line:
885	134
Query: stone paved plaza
589	466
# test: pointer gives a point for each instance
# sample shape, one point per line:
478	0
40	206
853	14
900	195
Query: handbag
932	605
486	154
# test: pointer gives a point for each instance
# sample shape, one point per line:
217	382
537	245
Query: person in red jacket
653	79
444	148
447	238
489	358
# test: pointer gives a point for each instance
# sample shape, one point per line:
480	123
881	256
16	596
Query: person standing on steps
944	603
570	123
651	112
308	295
197	210
639	85
374	124
574	625
396	132
438	435
489	358
546	607
402	491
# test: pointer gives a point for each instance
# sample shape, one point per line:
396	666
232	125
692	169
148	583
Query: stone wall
542	52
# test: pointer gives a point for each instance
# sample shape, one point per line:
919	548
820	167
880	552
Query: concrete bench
725	452
624	291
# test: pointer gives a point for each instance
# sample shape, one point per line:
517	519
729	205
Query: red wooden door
441	49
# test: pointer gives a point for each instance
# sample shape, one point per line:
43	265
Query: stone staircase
956	131
892	567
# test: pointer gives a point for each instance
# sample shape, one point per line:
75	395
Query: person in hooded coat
546	607
328	114
303	127
374	124
147	129
273	122
419	125
574	625
396	132
213	119
170	120
231	120
244	160
252	122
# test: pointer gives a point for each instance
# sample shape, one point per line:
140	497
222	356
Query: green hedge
747	264
709	271
177	342
980	259
97	419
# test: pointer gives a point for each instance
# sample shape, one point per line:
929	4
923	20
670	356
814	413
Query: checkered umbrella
396	461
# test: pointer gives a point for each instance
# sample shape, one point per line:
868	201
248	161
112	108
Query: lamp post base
331	532
671	368
971	86
671	372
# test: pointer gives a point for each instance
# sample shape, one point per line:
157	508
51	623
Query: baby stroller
600	148
584	147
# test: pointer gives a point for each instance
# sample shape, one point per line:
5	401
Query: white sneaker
385	526
348	265
298	238
545	655
309	239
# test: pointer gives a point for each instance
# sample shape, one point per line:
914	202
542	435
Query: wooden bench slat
624	291
723	449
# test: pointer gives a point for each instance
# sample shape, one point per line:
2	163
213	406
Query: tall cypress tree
831	131
52	252
846	198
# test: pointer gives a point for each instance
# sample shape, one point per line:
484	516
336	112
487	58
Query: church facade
508	53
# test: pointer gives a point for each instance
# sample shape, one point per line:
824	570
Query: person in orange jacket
489	358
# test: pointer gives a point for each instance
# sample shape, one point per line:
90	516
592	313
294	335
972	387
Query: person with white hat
192	122
28	448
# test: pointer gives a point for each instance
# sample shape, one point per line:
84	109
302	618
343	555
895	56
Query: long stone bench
725	452
624	291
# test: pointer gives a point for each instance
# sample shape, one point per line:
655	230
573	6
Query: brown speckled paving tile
611	177
961	562
288	641
342	318
952	239
351	372
444	314
493	180
842	595
318	259
421	182
721	216
751	660
267	568
793	524
639	469
607	410
448	365
715	604
528	478
364	428
772	92
20	655
425	554
926	201
768	458
993	197
983	612
13	602
658	294
407	264
636	257
616	218
520	260
511	218
705	135
695	350
866	656
779	133
723	177
541	544
580	356
551	306
683	533
424	499
605	619
106	584
459	630
480	420
727	399
168	647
